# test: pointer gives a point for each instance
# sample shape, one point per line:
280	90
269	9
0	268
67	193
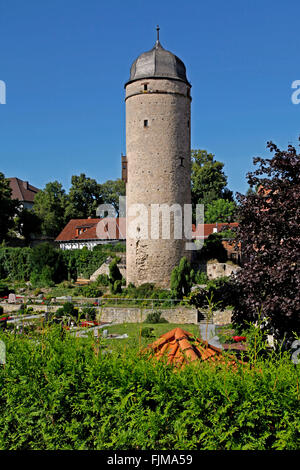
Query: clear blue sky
65	63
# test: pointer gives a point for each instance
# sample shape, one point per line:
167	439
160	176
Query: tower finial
157	29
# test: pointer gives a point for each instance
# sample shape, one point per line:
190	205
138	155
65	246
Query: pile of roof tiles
179	347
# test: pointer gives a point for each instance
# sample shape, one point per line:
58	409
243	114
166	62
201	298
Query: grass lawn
134	333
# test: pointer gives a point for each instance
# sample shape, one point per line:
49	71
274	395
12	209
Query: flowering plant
237	339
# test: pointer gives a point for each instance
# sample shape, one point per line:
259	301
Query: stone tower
158	149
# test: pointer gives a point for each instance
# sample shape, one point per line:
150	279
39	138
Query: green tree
27	223
49	206
111	190
84	198
8	208
182	279
49	261
208	178
115	277
220	210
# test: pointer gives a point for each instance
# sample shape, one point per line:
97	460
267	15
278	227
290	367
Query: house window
145	122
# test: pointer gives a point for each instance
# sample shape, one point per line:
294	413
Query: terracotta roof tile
88	229
180	347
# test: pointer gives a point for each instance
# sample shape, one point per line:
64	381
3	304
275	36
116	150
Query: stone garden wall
178	315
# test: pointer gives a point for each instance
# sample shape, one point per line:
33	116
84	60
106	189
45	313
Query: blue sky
65	64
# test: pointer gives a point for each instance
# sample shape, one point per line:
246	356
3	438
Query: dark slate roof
158	63
22	190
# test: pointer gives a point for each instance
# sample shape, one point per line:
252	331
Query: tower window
146	123
145	87
181	161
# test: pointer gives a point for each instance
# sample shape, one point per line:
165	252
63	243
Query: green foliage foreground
61	392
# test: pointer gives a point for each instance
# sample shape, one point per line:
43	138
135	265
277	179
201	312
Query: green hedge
19	264
67	394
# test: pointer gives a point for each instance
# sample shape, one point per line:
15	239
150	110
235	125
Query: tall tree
208	178
8	208
220	210
111	190
84	198
49	206
27	223
269	221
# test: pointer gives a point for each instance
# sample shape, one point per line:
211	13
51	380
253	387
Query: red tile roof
179	347
22	190
93	229
88	229
207	229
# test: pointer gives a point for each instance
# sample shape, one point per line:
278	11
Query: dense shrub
88	312
223	291
147	332
15	263
182	278
102	280
68	312
4	290
90	290
68	395
155	317
213	248
48	262
19	264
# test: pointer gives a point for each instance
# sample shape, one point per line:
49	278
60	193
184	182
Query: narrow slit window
145	122
145	87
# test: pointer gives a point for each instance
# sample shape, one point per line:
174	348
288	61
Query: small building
79	233
23	192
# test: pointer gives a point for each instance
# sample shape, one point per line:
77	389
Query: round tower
158	151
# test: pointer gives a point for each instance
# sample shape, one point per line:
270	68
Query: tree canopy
8	208
50	206
209	185
269	282
84	197
111	190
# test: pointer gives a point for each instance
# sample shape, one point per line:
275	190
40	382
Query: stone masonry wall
178	315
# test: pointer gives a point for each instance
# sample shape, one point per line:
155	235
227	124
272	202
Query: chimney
25	184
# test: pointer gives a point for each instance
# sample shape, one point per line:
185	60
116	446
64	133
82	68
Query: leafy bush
213	248
4	290
102	280
182	279
48	263
223	291
90	290
15	263
58	395
88	312
147	332
200	277
155	317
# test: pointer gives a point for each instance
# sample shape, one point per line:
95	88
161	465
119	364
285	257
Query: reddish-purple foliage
269	231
